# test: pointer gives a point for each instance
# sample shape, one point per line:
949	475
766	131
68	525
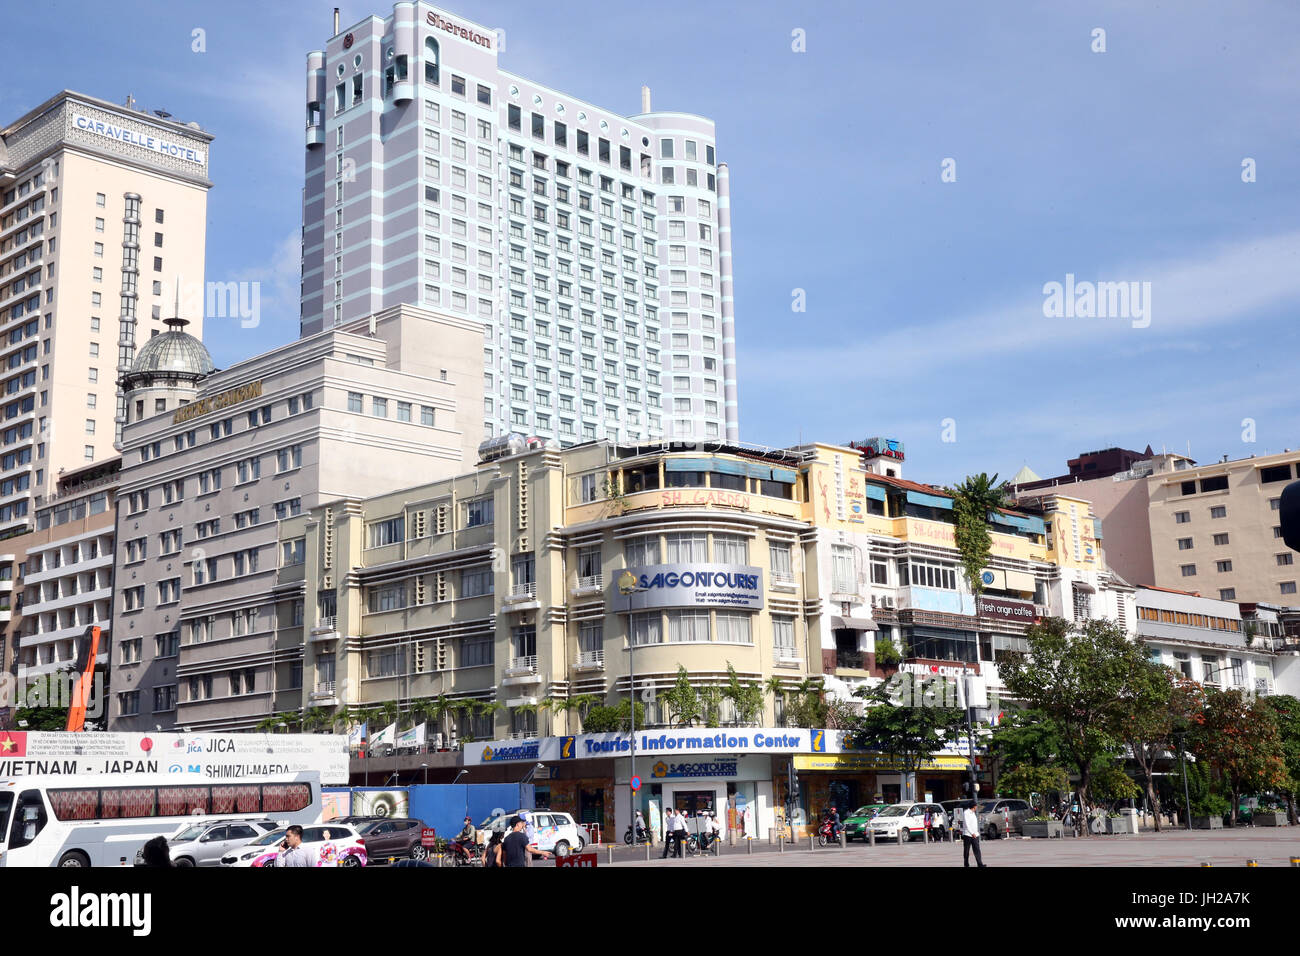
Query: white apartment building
593	248
102	213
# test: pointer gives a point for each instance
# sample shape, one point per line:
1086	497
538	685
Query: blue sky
924	298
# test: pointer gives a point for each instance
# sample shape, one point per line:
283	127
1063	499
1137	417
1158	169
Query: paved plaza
1220	848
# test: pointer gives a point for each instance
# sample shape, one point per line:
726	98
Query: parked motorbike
642	835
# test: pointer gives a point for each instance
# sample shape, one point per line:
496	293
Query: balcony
325	629
324	694
521	670
783	581
522	597
589	584
589	661
850	660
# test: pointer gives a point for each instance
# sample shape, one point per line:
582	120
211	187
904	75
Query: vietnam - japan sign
696	585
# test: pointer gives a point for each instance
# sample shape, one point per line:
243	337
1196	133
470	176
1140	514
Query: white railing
590	659
326	624
524	590
591	581
325	688
782	577
522	665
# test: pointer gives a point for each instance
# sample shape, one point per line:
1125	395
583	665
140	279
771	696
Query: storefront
851	780
736	788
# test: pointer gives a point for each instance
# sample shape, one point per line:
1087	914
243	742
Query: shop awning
854	624
876	492
932	501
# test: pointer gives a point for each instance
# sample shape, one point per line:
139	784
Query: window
1285	559
249	469
293	552
734	627
685	548
1188	570
1223	566
354	401
779	558
641	552
379	407
478	512
287	459
1184	544
645	628
1220	539
1219	511
783	646
476	652
1276	473
1227	594
1287	587
389	531
1217	483
587	488
843	570
688	627
730	549
388	597
476	582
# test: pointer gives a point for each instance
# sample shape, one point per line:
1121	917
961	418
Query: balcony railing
528	590
856	660
522	665
324	688
591	581
589	660
783	577
326	624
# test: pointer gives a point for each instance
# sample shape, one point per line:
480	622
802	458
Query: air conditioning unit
886	601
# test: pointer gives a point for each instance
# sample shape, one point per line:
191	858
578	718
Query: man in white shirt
970	836
670	832
293	852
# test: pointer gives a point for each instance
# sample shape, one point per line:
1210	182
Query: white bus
102	819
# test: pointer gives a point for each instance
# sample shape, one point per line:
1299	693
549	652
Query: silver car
203	844
997	816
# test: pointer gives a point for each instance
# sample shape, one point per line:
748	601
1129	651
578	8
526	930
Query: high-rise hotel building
594	247
102	211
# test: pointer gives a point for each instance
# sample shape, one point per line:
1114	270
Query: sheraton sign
438	23
213	403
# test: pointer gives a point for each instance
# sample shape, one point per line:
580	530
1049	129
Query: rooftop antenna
336	21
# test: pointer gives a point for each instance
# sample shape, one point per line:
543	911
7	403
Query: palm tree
578	703
314	718
439	709
488	708
974	500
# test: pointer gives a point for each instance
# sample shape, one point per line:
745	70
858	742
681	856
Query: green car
856	822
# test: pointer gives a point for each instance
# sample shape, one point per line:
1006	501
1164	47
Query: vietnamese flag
13	743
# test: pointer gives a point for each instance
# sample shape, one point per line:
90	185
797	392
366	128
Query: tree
1161	702
775	687
747	698
1112	783
1024	738
1024	780
887	652
315	719
973	500
682	702
711	705
1081	679
1286	713
906	719
1240	739
603	719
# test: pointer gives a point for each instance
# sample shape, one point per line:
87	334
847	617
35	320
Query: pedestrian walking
492	852
970	836
515	847
670	829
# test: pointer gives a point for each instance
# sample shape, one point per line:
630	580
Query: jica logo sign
697	585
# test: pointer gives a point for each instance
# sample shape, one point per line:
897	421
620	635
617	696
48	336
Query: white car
336	844
553	831
906	821
206	842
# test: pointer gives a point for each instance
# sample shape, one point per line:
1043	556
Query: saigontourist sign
697	585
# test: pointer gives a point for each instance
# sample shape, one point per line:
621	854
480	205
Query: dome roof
171	355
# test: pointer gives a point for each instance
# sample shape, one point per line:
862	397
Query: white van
553	830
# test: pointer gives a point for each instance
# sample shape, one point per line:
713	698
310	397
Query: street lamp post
425	768
1182	759
627	586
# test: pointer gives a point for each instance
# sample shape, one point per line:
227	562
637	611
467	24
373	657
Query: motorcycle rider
467	838
639	833
833	820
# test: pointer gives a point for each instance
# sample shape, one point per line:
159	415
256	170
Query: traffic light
1290	515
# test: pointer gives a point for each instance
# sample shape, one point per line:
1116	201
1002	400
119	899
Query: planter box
1044	829
1270	818
1207	823
1119	825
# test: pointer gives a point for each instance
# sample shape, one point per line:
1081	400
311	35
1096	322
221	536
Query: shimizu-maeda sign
694	585
214	403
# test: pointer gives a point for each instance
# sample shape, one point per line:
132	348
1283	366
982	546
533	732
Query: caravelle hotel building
593	248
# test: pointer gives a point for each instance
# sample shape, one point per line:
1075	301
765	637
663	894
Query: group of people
512	847
676	830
